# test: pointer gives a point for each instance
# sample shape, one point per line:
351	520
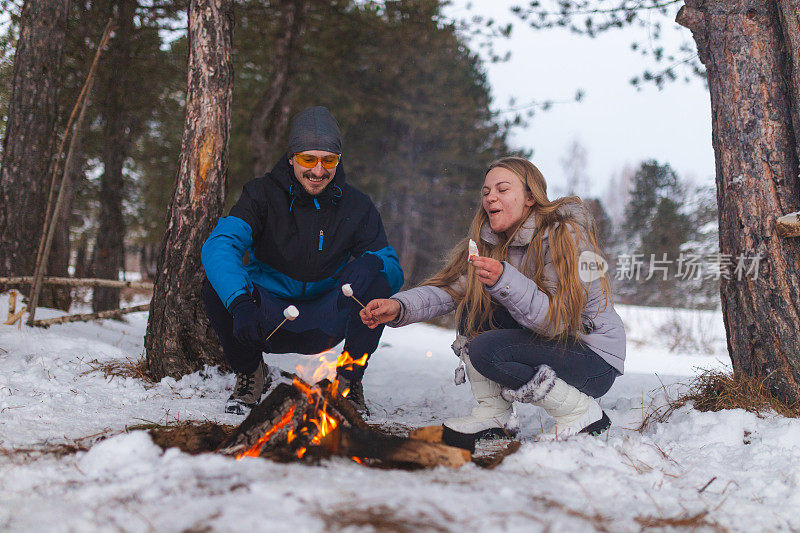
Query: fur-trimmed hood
576	211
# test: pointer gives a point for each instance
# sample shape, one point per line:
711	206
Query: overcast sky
617	124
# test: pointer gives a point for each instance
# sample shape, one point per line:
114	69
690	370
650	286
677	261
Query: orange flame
327	365
344	360
255	451
324	422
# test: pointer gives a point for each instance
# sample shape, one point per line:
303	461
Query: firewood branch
113	313
345	408
80	282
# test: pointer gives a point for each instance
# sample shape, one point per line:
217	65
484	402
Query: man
295	236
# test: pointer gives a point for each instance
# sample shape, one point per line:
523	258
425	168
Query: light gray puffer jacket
523	299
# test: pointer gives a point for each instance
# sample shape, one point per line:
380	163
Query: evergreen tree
414	106
412	101
143	142
701	205
656	227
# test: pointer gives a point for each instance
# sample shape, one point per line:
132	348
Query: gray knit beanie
314	128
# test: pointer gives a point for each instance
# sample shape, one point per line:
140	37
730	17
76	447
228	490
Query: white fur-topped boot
573	411
494	416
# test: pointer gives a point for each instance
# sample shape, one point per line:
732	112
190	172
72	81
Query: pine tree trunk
117	135
179	338
748	60
25	172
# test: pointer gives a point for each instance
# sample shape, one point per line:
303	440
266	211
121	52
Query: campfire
311	419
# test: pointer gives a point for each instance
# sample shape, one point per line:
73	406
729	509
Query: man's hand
487	269
359	273
379	312
250	325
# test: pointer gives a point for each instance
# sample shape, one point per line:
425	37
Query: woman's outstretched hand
487	269
379	311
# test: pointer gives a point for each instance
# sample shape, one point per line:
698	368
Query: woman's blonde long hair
567	301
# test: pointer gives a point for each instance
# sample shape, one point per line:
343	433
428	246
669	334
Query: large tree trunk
271	113
748	60
28	144
179	338
109	251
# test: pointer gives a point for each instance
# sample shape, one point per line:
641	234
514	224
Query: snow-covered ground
717	471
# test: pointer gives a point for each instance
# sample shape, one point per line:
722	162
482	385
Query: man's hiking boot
248	390
355	396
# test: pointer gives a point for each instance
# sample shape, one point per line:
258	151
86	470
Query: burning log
399	451
304	422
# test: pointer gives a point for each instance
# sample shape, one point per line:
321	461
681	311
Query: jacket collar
524	236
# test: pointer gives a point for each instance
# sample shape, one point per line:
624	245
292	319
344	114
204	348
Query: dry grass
122	368
598	521
32	453
715	390
685	522
381	518
27	454
190	437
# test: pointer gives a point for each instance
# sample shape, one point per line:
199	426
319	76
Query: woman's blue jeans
511	357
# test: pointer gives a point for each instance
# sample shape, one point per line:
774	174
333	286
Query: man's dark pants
320	326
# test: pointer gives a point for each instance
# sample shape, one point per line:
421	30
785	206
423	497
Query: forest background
408	85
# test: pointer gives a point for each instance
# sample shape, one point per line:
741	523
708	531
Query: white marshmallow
291	312
473	249
347	290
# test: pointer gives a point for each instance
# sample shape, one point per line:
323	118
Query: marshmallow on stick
347	290
290	313
473	249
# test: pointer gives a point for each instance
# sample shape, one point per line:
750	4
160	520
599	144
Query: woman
536	323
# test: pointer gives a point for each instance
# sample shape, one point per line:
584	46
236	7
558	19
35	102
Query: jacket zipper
321	237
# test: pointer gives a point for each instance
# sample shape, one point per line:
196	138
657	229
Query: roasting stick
347	290
290	313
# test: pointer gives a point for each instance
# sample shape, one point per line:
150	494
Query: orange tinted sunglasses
310	161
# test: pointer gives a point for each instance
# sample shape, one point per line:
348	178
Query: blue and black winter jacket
296	242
